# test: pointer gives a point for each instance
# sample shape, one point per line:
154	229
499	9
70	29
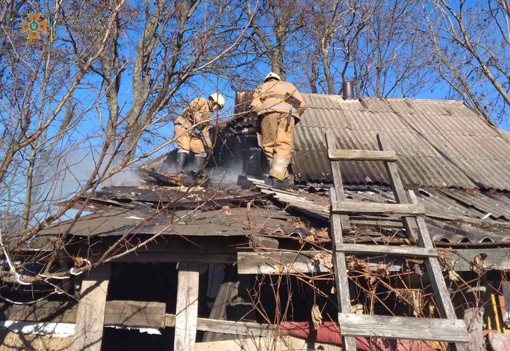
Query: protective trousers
186	140
277	142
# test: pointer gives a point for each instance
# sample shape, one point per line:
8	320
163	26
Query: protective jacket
271	97
197	112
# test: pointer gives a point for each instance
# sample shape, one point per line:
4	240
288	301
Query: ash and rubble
450	221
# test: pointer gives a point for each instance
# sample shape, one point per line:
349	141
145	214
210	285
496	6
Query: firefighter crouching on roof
280	105
192	131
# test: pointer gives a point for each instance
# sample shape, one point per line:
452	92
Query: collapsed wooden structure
229	268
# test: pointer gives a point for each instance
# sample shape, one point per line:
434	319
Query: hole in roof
424	192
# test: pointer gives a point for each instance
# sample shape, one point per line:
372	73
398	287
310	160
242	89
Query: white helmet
272	75
218	98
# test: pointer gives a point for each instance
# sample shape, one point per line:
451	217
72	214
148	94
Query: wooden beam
280	263
187	307
122	313
449	330
88	334
227	327
378	223
371	208
142	256
41	311
135	314
361	155
387	250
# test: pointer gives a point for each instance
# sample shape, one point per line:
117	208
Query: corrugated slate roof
438	143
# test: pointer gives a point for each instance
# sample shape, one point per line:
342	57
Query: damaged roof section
438	143
440	154
454	217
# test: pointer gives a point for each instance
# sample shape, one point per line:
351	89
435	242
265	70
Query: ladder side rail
341	276
337	180
398	189
435	273
337	225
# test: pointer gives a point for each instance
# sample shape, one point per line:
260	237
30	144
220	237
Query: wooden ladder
449	329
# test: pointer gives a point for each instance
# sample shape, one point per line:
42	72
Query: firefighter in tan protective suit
192	130
279	105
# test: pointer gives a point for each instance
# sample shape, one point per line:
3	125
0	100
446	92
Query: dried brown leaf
316	317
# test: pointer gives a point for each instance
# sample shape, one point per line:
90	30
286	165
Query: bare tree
172	47
275	25
471	48
369	42
332	37
72	111
390	59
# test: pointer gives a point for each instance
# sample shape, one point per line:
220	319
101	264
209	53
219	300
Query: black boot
181	160
198	163
276	183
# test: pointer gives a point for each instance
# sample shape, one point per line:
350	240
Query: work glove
198	129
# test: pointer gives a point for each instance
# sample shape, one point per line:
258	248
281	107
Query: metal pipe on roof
347	91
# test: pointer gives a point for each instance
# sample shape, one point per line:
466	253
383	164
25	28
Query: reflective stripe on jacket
270	97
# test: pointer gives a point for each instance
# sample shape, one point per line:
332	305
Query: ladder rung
447	330
355	207
361	155
411	251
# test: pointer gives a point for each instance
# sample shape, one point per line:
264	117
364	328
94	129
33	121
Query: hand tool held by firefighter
295	103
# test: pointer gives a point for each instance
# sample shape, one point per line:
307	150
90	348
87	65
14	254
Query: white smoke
126	177
227	175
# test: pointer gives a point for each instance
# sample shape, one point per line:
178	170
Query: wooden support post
474	322
187	307
88	334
